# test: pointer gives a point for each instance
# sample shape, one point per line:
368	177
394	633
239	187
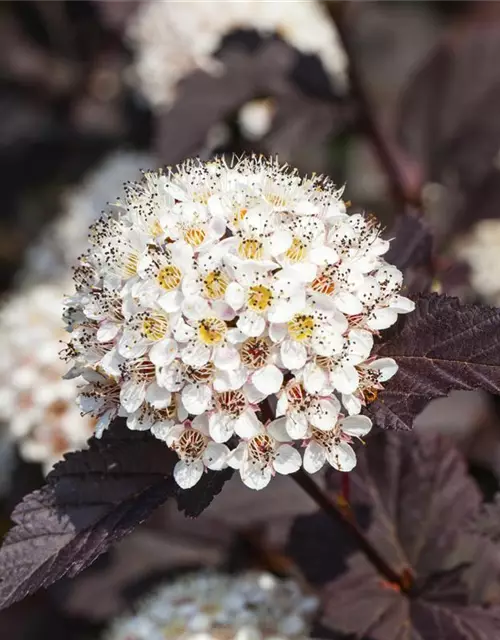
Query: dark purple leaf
455	134
411	251
420	500
411	242
91	499
362	604
206	100
442	346
487	522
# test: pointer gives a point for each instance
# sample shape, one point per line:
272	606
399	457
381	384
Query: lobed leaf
420	501
442	346
91	499
362	604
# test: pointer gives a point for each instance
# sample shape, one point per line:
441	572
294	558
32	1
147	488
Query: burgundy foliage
92	499
442	346
420	500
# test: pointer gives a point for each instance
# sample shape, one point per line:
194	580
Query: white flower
379	295
333	446
264	451
302	410
222	293
37	405
372	374
173	39
191	443
207	606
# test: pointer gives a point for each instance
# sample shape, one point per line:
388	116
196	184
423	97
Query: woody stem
405	194
343	516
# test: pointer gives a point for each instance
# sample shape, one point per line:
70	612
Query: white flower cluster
481	251
174	39
222	297
37	405
252	606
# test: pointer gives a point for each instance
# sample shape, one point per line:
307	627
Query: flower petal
226	357
235	295
277	428
215	456
348	303
107	331
255	477
196	398
297	425
342	457
248	425
236	456
314	457
351	403
293	354
132	395
163	352
221	427
187	474
287	459
345	378
381	319
386	366
356	426
157	396
251	324
268	380
323	414
195	354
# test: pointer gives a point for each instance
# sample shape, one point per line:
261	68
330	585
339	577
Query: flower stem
405	193
343	516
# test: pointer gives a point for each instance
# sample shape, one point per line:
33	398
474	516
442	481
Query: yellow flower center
194	236
260	298
169	277
276	199
251	249
156	229
301	327
297	250
238	216
130	265
212	331
215	284
155	326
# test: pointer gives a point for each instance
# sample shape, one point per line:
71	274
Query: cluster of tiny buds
231	309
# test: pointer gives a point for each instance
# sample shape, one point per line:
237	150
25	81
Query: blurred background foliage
70	99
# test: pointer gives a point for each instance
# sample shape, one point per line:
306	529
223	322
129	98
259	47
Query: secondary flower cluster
252	606
37	405
223	296
479	250
174	39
